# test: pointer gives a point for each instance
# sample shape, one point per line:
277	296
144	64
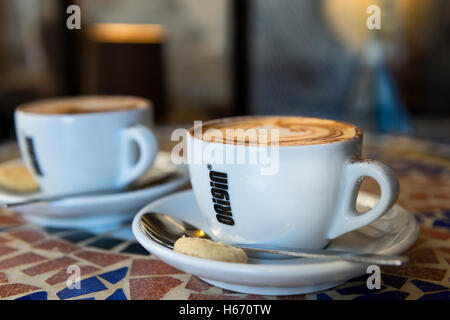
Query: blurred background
203	59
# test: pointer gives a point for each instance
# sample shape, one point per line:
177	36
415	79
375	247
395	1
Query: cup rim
142	104
358	132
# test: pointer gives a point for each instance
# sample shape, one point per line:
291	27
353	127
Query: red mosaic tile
153	288
146	267
444	249
439	182
445	196
418	196
419	242
101	259
423	256
8	290
4	250
49	266
424	207
57	245
253	297
416	272
3	240
3	277
9	220
20	259
195	284
199	296
28	235
403	203
434	233
63	275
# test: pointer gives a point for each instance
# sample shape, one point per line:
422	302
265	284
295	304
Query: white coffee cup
308	201
88	143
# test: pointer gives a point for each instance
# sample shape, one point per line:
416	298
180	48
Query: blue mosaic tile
393	281
441	223
105	243
428	214
427	286
51	230
136	248
433	170
362	278
362	289
91	298
41	295
117	295
323	296
79	236
445	295
447	214
388	295
427	169
88	285
115	275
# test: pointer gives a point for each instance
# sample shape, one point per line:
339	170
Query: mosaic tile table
34	260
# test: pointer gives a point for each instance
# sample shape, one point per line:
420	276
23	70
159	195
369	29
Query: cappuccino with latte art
284	131
282	181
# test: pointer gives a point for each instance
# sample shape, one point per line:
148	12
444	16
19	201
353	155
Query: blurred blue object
391	113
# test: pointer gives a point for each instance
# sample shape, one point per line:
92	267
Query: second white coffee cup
83	144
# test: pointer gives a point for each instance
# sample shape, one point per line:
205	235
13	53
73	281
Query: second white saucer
97	213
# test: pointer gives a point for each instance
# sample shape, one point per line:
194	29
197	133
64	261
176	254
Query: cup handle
148	146
347	218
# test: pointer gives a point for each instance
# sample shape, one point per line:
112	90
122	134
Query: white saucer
103	212
391	234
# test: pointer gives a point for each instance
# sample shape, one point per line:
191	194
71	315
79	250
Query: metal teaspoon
166	230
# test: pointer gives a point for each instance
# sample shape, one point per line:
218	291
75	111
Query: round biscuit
15	176
207	249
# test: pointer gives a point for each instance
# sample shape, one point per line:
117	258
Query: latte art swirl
285	131
84	104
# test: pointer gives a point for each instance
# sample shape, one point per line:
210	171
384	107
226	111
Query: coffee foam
84	104
292	131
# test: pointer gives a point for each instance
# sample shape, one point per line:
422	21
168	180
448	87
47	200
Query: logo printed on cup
221	198
32	153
